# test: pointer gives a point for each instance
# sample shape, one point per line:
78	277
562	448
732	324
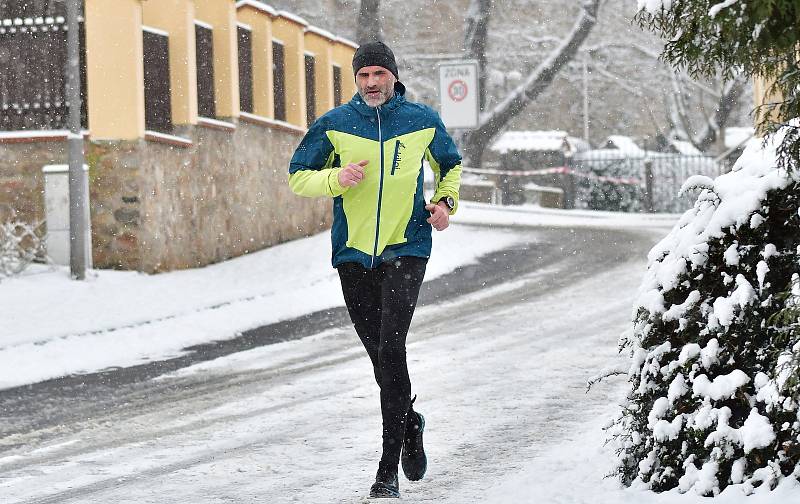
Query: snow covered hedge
715	345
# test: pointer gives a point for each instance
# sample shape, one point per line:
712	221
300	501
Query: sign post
459	94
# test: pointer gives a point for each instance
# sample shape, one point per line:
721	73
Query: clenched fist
352	174
440	215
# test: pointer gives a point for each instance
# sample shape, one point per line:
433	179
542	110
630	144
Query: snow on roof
738	135
531	141
686	148
624	143
257	5
322	33
578	144
292	17
347	42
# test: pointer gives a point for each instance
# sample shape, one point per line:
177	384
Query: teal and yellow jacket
384	215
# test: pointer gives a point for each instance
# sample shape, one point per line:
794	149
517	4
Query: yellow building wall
221	15
343	56
762	96
261	23
176	17
114	69
322	49
290	33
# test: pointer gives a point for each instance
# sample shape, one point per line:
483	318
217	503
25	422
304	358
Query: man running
367	155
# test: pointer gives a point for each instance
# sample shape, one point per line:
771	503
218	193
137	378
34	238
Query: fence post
649	204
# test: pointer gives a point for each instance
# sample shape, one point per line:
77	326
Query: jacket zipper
380	191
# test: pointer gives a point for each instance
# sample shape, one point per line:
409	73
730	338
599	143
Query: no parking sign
458	94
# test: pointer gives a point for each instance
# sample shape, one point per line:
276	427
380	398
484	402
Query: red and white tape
548	171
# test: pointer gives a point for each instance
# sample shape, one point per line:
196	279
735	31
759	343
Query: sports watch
449	201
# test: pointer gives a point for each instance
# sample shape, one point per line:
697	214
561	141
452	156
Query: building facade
192	111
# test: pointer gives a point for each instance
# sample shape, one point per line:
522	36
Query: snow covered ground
500	375
53	326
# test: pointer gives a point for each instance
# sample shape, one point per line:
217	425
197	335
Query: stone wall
21	179
159	206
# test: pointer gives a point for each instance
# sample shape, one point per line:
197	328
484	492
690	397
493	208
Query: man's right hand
352	174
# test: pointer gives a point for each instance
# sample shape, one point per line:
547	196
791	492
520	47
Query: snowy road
500	372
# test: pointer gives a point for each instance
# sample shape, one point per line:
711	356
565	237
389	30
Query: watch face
450	202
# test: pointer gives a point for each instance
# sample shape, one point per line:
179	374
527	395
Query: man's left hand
440	215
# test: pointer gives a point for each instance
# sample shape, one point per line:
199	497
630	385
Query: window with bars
311	96
245	69
279	80
337	86
33	57
157	91
204	40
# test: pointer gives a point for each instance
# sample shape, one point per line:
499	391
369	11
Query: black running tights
381	302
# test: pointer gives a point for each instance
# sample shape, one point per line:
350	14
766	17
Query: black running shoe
413	458
386	484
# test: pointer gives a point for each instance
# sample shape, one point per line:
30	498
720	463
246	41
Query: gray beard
377	104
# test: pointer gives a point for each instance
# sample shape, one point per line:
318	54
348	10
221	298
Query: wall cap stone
156	136
271	123
208	122
25	136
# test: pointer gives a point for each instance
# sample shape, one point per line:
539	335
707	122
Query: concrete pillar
115	69
56	205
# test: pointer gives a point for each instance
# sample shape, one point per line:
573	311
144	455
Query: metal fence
646	181
33	56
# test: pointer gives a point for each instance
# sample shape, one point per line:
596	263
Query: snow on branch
603	374
697	182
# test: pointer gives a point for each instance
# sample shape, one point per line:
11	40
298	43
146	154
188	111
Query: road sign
458	93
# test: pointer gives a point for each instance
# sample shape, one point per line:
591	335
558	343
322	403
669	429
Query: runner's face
375	85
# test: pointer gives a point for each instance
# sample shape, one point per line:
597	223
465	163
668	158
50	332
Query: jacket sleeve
445	162
311	170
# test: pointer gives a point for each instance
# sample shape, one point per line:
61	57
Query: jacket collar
394	102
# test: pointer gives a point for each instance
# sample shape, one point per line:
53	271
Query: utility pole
585	98
78	198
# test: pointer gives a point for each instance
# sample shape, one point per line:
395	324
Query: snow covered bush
715	378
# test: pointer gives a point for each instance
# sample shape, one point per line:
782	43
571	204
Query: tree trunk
475	141
704	137
731	91
475	35
369	22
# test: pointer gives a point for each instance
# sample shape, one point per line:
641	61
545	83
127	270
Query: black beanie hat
377	54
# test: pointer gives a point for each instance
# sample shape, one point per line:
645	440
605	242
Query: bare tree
475	141
685	120
475	35
369	26
704	136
